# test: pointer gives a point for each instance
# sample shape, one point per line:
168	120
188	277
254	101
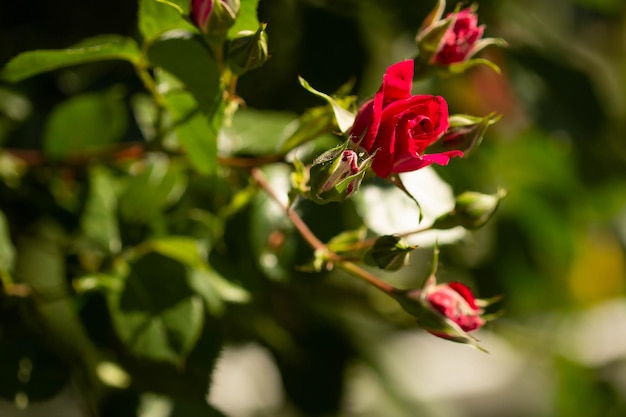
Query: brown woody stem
317	244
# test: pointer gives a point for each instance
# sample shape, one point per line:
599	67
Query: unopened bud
471	210
389	253
214	17
248	51
336	174
448	310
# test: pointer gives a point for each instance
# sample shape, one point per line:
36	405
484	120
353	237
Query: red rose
457	303
214	17
200	12
459	40
399	127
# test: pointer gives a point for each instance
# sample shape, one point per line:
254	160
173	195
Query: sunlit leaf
7	250
100	48
247	17
157	17
256	132
160	184
196	134
85	123
203	279
99	219
157	315
186	57
343	117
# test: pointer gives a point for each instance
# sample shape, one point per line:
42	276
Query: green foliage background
123	281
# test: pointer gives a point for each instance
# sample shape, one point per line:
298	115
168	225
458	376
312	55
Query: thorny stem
317	244
297	221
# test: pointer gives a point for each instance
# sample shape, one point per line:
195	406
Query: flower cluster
397	132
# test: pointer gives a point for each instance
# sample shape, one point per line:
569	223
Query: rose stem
317	244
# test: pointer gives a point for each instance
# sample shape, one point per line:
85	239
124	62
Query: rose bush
399	127
459	41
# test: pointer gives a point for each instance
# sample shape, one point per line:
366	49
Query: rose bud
460	39
399	127
389	253
448	310
214	17
472	210
248	51
336	175
451	42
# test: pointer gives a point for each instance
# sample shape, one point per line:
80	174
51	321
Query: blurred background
326	346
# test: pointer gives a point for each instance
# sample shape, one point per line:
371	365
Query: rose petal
464	292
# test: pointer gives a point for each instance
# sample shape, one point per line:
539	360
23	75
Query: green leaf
197	108
7	250
311	124
100	48
99	220
147	194
157	316
203	279
346	243
343	117
461	67
247	18
196	134
85	123
256	132
186	57
157	17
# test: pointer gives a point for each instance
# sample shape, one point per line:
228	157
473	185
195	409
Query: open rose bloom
398	127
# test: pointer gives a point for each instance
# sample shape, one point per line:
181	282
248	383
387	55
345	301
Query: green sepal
465	133
343	117
472	210
389	252
323	169
248	51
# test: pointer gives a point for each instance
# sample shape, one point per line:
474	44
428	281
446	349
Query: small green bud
389	253
472	210
248	50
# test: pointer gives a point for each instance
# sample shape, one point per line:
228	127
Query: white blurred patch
596	336
246	383
389	211
440	378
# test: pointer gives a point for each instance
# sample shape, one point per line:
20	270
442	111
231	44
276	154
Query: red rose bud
460	39
336	175
248	51
472	210
214	17
399	127
448	311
